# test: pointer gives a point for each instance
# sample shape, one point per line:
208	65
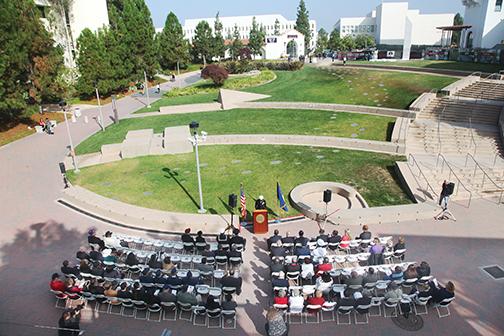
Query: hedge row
235	67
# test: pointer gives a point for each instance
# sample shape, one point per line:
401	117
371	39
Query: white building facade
487	20
66	23
394	23
244	24
288	44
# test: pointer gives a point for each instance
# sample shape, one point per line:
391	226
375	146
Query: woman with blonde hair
275	325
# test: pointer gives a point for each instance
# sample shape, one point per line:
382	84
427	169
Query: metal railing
477	167
439	130
445	163
472	141
412	163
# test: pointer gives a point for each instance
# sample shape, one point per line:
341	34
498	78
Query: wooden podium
261	221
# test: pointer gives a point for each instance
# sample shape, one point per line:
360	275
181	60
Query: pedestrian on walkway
158	88
344	60
445	195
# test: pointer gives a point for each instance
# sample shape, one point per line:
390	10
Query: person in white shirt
324	283
296	302
320	252
111	241
307	270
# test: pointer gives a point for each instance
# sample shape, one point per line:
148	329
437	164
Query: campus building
244	24
394	23
486	18
66	24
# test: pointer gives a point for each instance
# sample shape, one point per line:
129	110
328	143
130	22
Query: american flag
243	202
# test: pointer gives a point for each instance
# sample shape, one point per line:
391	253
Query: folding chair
214	315
282	307
117	303
199	312
188	247
221	261
327	308
293	276
169	307
185	261
313	310
362	310
344	311
376	302
408	284
154	309
399	255
138	307
228	290
421	301
185	308
295	312
444	304
60	296
228	318
235	262
391	304
127	304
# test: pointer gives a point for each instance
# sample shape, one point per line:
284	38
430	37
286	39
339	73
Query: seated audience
397	274
296	301
280	281
173	281
393	292
84	266
71	286
111	272
228	303
186	236
273	239
324	266
400	245
276	266
112	242
66	268
110	255
183	296
423	269
345	239
361	300
110	289
323	236
82	253
372	276
204	267
166	295
411	272
302	250
320	251
237	239
335	238
281	298
292	267
277	250
97	269
131	259
288	239
190	280
56	283
232	280
199	237
301	239
146	277
307	270
212	304
317	299
223	240
440	293
354	279
324	283
124	291
95	255
365	234
93	239
154	262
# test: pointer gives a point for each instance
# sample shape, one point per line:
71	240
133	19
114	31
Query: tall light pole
147	89
63	104
194	128
99	108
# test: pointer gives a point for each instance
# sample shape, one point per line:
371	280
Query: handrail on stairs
412	162
477	166
444	163
472	140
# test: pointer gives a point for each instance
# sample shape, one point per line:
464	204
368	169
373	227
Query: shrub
216	73
234	67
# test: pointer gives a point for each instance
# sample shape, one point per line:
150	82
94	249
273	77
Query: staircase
484	89
457	111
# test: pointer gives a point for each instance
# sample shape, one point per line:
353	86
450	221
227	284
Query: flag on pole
243	202
281	199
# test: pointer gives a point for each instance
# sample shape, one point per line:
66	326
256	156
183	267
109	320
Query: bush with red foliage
215	72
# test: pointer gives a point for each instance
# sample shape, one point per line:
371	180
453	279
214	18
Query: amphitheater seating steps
484	89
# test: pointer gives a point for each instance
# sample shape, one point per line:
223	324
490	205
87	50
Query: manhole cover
147	193
412	323
495	271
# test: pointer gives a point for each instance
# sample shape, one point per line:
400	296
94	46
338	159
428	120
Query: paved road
37	234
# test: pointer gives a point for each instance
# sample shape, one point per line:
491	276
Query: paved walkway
37	234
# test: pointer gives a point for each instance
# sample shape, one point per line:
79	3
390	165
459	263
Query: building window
372	29
498	5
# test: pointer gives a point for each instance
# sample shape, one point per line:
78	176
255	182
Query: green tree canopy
203	42
457	21
347	43
322	41
303	24
334	40
256	38
218	40
173	48
236	44
364	41
30	66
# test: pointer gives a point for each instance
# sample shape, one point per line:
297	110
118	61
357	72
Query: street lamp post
99	108
63	104
147	89
194	128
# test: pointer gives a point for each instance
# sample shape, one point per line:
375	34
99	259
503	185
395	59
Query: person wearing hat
320	251
260	203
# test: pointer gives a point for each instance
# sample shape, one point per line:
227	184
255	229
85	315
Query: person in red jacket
56	283
317	299
281	298
325	266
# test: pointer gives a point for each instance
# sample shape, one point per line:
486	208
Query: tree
334	40
203	42
276	32
457	21
347	43
364	41
215	72
236	44
256	38
303	24
173	48
219	47
30	66
322	41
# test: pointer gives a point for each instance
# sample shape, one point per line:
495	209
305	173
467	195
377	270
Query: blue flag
281	198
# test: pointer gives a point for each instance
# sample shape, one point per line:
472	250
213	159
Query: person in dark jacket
93	239
440	293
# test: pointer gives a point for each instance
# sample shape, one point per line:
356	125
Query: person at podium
260	203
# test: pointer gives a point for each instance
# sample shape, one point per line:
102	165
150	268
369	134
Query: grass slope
170	183
448	65
253	121
350	86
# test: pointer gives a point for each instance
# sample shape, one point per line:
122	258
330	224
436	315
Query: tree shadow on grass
390	129
173	175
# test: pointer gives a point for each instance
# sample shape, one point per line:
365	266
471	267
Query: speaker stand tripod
445	214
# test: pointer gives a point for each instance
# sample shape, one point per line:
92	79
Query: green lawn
169	182
350	86
253	121
449	65
205	91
